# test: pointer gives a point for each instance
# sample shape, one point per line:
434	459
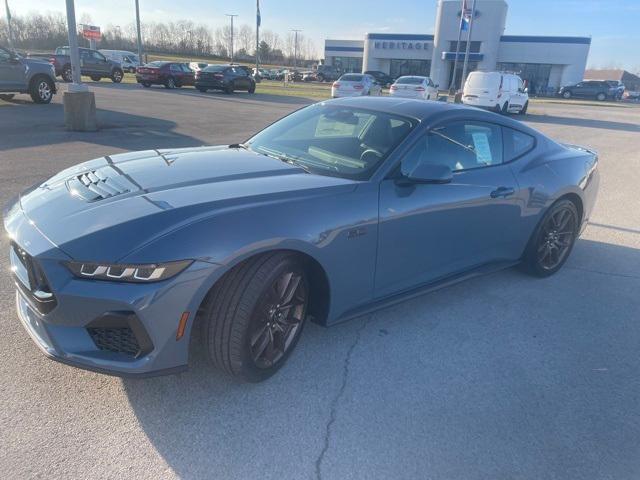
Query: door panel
430	231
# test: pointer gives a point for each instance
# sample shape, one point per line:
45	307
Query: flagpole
10	28
452	85
257	35
466	55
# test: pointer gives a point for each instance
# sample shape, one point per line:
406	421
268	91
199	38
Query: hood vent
98	184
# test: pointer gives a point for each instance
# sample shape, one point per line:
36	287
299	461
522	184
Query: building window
347	64
474	47
398	67
535	74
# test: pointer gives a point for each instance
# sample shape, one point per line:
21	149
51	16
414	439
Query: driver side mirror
430	173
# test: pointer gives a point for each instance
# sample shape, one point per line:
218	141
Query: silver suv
26	75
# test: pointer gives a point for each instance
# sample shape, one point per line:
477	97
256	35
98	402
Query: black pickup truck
25	75
92	64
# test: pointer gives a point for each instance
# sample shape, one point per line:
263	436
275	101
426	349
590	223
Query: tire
170	83
523	110
67	76
497	108
549	249
145	84
321	78
566	94
6	96
95	78
505	108
601	97
116	75
228	89
252	88
41	90
202	89
243	327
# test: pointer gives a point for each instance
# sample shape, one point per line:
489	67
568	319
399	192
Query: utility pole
73	49
140	60
295	48
466	54
258	21
231	15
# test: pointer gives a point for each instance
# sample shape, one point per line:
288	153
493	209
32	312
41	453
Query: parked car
227	78
129	61
340	208
355	85
327	73
619	86
498	91
382	78
261	73
92	64
277	74
598	89
414	87
294	75
169	74
26	75
309	76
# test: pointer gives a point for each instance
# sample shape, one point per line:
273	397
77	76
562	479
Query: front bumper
117	328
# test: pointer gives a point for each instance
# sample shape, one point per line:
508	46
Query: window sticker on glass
481	146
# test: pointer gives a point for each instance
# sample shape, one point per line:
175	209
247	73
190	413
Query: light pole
231	15
73	50
466	54
295	48
139	33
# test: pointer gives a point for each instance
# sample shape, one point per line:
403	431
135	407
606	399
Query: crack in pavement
334	403
599	272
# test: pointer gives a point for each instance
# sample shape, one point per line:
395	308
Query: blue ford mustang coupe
340	208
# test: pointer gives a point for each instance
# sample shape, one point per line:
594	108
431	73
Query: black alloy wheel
601	97
278	319
524	109
116	76
553	240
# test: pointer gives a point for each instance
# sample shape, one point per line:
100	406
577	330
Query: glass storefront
536	74
399	68
347	64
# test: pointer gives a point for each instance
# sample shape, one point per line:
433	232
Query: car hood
105	208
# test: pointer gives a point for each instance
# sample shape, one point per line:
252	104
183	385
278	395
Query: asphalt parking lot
500	377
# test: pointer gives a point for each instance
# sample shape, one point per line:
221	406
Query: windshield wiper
239	145
283	157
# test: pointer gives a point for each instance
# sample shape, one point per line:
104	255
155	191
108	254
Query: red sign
91	32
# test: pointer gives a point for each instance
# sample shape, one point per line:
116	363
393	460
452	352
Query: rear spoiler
580	148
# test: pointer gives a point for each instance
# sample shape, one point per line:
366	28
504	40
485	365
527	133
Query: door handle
503	192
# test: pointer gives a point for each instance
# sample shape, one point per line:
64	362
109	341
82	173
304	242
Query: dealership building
547	62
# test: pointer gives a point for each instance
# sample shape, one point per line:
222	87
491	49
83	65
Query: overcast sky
614	25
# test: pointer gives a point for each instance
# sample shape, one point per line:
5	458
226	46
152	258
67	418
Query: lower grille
115	339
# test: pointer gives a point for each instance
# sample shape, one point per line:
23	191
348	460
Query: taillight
336	85
52	60
358	87
419	89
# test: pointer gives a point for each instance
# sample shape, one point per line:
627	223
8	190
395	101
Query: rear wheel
41	90
6	96
228	89
566	94
553	240
254	317
601	97
170	83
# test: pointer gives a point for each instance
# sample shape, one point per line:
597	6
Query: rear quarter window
516	143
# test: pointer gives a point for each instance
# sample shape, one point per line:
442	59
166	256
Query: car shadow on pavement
479	380
582	122
42	125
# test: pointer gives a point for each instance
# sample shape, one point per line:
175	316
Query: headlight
154	272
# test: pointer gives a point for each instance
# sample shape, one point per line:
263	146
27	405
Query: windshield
410	80
333	140
486	80
351	78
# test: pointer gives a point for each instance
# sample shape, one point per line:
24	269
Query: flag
6	4
258	20
465	16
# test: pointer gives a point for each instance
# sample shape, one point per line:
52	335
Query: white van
498	91
128	60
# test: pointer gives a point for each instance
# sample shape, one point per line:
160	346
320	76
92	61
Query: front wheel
228	89
116	76
254	317
41	90
601	97
553	240
170	83
524	109
566	94
505	108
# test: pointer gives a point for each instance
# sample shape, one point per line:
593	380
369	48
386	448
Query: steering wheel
370	155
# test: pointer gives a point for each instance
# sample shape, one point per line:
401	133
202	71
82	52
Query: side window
175	68
516	143
98	56
465	145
